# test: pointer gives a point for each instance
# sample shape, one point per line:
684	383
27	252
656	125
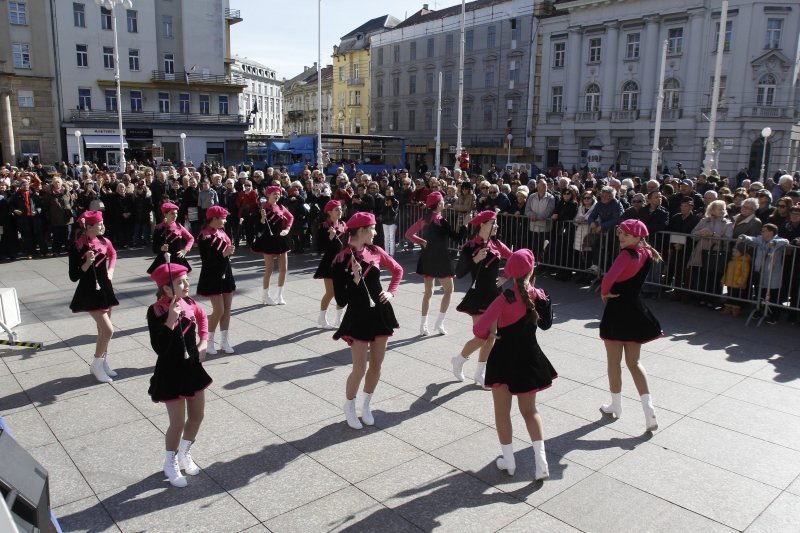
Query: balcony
196	78
233	15
355	82
765	112
587	116
705	113
354	104
668	115
624	115
554	117
82	115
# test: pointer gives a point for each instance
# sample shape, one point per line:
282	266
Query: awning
104	141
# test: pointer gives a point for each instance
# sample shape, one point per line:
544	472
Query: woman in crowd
271	231
216	277
171	237
746	223
562	230
389	217
434	261
627	323
580	243
517	366
178	334
331	238
481	258
369	320
92	259
708	258
465	202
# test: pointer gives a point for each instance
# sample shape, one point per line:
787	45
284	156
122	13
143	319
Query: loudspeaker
24	486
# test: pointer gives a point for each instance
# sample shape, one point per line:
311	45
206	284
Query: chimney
424	7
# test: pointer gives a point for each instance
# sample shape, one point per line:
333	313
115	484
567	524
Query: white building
175	75
263	94
599	83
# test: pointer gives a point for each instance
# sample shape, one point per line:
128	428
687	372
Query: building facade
261	103
600	72
407	61
351	76
300	102
28	117
176	78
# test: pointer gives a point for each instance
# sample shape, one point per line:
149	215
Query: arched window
630	96
672	94
765	92
592	98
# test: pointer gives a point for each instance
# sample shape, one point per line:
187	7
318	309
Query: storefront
140	143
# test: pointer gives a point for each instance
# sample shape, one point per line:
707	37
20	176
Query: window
728	36
774	27
29	146
630	96
166	22
412	84
133	59
163	102
205	104
489	80
672	94
557	99
466	116
108	57
491	37
675	38
513	75
106	21
430	46
82	53
341	73
136	101
17	13
765	92
78	15
22	55
378	91
595	48
448	80
468	78
85	99
723	83
133	23
358	126
559	55
396	53
412	119
429	82
380	56
111	99
592	98
428	119
447	118
633	42
412	51
357	97
25	98
395	120
488	115
379	120
169	63
448	44
516	30
395	86
223	104
469	40
183	103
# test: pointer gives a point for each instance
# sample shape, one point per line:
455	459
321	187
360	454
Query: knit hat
331	205
168	206
216	211
484	216
520	264
433	199
360	220
89	218
634	227
164	273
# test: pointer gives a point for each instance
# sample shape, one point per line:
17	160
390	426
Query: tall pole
438	157
460	124
765	133
708	162
659	110
320	162
122	162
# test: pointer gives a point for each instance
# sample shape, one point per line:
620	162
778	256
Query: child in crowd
737	278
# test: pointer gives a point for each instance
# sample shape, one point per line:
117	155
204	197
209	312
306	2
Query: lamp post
110	4
765	133
509	138
183	148
80	147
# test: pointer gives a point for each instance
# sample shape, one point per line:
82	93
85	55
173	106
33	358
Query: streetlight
765	133
110	4
510	138
183	148
80	147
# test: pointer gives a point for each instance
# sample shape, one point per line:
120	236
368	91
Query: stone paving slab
275	454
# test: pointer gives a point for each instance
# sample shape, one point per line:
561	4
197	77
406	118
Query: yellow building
351	79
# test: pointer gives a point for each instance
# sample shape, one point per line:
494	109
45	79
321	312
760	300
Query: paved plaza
276	454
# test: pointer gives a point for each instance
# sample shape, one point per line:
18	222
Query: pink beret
168	206
634	227
273	188
89	218
433	199
484	216
164	274
360	220
216	211
519	264
331	205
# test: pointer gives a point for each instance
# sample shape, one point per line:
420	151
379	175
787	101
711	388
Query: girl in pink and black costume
176	322
369	319
434	260
517	366
216	276
627	323
481	258
92	258
331	237
272	241
171	237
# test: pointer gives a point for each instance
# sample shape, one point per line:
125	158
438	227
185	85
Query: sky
283	34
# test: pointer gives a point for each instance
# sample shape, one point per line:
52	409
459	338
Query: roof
247	61
350	42
427	15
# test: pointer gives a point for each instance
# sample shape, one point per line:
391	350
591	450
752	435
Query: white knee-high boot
507	462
